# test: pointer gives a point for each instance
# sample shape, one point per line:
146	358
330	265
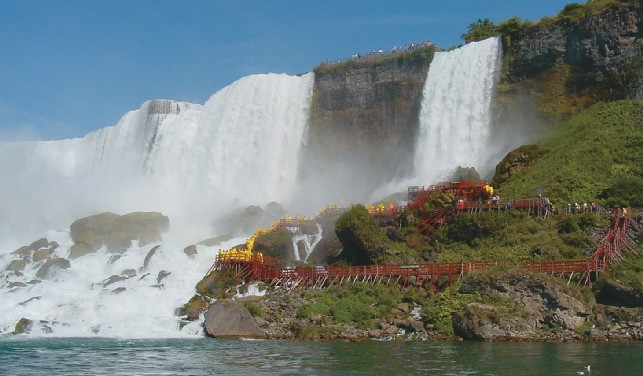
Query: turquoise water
81	356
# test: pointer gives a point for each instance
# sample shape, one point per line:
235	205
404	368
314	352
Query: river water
205	356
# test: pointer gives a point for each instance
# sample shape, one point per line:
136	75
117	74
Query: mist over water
190	162
194	163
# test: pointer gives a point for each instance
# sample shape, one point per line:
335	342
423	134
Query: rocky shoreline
548	316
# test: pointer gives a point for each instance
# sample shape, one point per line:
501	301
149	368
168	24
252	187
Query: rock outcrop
116	232
577	60
364	121
534	306
228	319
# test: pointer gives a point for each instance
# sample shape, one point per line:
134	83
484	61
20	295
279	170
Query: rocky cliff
365	114
577	59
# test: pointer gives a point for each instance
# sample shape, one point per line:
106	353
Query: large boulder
362	239
229	319
116	232
276	244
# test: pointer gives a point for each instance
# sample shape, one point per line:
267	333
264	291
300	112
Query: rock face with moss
531	306
587	53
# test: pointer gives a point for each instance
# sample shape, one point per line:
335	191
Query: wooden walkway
435	275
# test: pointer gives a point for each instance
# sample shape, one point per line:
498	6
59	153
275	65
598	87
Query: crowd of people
382	52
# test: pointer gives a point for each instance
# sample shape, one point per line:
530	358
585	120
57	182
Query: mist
248	145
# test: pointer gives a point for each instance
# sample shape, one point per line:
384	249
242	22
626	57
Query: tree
480	30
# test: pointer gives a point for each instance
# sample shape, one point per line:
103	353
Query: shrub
480	30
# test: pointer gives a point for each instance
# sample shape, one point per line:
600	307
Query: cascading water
455	119
190	162
308	242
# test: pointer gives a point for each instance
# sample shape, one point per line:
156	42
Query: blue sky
70	67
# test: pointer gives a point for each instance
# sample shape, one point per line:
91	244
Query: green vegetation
514	236
361	236
575	12
628	272
596	155
480	30
439	309
357	304
422	55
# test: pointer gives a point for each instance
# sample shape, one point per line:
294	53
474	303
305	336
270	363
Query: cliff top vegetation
573	12
422	55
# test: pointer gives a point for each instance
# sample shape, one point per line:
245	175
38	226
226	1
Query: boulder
191	251
51	267
229	319
113	279
162	274
16	265
23	251
116	232
41	254
39	244
148	257
23	326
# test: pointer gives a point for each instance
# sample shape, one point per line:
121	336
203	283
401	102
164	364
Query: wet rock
41	254
149	256
229	319
113	279
16	284
129	273
191	251
162	274
23	326
51	267
29	300
116	232
16	265
24	252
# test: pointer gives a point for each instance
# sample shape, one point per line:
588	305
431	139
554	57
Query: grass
357	304
588	158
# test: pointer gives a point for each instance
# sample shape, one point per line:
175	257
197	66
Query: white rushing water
190	162
455	120
130	294
308	241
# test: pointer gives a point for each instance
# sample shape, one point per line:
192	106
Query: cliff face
365	115
569	64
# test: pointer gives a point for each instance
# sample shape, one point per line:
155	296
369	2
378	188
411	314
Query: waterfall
309	242
188	161
455	119
191	162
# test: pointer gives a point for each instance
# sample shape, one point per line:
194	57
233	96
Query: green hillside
596	155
